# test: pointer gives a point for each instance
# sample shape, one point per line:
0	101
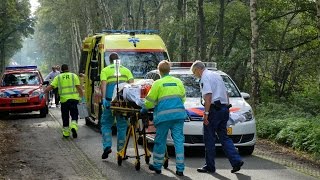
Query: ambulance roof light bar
131	32
20	67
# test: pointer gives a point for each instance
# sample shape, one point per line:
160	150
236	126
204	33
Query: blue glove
83	100
143	111
105	103
41	96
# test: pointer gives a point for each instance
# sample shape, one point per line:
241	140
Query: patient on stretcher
132	93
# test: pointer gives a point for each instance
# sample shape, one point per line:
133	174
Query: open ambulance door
91	60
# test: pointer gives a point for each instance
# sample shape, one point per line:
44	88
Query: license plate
229	130
21	100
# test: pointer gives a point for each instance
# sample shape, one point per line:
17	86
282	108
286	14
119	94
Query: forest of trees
270	48
16	23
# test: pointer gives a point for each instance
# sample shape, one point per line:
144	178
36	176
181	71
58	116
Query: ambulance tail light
86	46
101	46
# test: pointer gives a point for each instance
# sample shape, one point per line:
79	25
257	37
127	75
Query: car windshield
17	79
139	63
193	89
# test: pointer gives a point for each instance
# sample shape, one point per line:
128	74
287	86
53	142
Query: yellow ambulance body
139	50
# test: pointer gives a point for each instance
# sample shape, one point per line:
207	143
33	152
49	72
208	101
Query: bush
289	125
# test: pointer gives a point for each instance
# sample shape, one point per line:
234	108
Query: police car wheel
246	150
43	112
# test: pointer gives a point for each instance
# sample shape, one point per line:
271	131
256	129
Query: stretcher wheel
147	159
137	165
166	163
119	158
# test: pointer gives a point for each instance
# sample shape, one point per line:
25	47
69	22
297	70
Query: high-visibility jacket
66	83
108	74
167	96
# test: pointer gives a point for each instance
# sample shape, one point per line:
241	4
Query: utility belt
108	99
218	106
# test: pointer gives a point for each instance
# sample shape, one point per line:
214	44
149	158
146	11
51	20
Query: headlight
2	95
36	93
248	115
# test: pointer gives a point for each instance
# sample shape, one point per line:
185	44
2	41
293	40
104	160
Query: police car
20	87
241	126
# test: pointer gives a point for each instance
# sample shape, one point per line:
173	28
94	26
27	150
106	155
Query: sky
34	5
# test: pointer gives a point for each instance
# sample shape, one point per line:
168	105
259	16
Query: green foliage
289	125
15	24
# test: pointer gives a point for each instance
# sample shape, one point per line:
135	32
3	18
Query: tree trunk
181	19
221	30
254	47
318	24
202	40
158	4
107	17
88	21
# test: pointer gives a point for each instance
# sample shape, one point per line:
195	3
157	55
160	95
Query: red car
20	87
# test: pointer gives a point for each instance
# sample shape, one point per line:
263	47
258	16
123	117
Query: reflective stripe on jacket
167	96
108	74
66	84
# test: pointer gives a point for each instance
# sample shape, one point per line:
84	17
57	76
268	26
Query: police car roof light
212	65
181	64
132	32
20	67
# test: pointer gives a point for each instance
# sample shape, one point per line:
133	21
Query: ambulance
139	50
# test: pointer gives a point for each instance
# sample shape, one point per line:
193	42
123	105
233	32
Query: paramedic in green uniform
167	96
108	82
70	91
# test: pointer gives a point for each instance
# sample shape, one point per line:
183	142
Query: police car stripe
26	91
10	92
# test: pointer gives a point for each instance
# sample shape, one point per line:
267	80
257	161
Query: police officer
108	82
167	96
70	92
215	118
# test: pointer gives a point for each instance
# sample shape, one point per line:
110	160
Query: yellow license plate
21	100
229	130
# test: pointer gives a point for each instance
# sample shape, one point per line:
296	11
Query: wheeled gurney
131	112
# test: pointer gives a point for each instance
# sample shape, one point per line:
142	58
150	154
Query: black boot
106	153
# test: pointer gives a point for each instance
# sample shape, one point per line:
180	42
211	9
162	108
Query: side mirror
246	96
45	83
94	70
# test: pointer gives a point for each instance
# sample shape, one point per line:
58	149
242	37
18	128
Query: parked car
20	87
241	126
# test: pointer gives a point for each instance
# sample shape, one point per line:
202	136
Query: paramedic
167	96
108	82
215	118
70	92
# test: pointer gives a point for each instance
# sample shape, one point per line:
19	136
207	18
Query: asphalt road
46	155
89	143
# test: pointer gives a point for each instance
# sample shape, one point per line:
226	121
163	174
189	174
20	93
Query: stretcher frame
133	115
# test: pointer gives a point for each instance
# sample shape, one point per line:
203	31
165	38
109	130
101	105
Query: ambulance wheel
137	165
119	158
147	159
88	122
166	163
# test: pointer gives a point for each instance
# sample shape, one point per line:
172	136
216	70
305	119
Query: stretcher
138	124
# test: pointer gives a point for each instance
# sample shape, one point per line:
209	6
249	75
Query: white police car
241	126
